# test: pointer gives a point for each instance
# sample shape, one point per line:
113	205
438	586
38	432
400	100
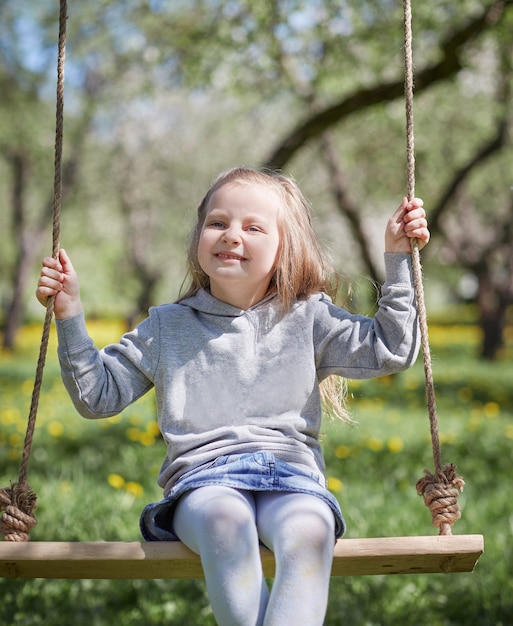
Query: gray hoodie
232	381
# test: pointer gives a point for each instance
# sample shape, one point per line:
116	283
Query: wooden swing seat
156	560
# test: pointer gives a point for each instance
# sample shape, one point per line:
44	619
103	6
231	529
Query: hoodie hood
204	302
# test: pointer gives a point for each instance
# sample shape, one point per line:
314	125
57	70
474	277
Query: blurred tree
26	141
246	73
480	233
484	251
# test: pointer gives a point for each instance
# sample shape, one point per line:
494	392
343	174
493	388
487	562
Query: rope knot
440	492
17	504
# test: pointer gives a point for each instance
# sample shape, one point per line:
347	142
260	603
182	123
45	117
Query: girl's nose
231	236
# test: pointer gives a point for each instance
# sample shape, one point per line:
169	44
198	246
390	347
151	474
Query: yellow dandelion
342	451
491	409
134	489
147	439
55	428
335	484
133	434
10	416
116	481
508	431
153	428
395	444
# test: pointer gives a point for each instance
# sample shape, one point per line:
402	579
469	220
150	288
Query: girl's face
239	242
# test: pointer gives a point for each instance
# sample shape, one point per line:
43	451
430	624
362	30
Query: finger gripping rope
17	519
440	492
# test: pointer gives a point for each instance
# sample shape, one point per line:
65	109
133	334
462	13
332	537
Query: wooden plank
135	560
407	555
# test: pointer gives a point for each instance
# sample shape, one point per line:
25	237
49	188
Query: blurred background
159	98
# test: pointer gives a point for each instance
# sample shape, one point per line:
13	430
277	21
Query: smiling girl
237	365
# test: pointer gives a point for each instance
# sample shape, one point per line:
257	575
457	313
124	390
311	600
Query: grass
94	478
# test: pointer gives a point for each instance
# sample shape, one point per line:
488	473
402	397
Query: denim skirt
260	471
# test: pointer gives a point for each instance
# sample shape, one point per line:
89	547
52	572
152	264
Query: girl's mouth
229	256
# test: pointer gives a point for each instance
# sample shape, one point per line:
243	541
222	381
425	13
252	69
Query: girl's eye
255	229
217	224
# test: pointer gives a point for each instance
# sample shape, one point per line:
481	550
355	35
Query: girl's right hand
58	278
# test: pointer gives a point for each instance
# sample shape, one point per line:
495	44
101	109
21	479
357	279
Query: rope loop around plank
440	491
17	519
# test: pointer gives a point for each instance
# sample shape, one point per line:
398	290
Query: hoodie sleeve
356	346
101	383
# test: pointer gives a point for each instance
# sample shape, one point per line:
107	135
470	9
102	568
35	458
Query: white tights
224	525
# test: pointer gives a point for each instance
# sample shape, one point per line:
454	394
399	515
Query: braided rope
18	502
440	490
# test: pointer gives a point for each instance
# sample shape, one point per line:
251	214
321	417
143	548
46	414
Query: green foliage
94	478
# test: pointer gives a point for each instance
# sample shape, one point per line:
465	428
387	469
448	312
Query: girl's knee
217	516
320	537
297	524
314	535
230	518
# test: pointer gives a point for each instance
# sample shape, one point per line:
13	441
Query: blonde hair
301	269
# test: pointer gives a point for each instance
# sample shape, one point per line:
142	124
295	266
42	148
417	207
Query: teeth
229	256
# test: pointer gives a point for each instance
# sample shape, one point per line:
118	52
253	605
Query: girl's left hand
409	221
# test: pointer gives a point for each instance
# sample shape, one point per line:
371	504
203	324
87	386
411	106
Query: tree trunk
492	315
27	242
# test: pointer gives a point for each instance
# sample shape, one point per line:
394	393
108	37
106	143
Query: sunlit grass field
94	477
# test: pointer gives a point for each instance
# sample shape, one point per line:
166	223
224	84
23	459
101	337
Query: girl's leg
300	530
218	523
